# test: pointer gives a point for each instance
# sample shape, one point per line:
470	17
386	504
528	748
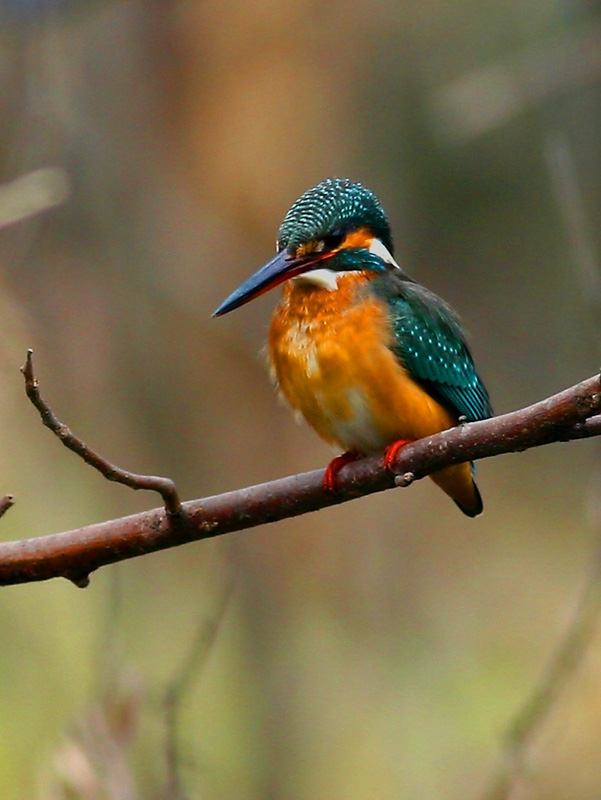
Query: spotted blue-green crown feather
336	205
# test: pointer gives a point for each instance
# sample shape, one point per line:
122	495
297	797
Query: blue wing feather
431	345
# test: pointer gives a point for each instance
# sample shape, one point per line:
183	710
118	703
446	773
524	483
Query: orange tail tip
458	482
477	506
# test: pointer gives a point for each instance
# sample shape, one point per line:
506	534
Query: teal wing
431	345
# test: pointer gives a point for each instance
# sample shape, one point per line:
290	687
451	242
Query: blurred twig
32	193
566	659
93	761
96	759
572	648
488	97
571	414
178	690
566	187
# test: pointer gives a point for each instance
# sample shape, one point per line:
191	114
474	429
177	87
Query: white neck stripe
379	249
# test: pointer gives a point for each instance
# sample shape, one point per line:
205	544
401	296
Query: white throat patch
379	249
324	278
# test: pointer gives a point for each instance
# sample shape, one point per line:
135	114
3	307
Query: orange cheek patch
301	250
359	238
306	249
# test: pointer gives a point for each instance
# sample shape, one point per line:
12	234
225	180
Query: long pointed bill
278	270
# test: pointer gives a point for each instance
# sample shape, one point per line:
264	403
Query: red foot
392	452
334	467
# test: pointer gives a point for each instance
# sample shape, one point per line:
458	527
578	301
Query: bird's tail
458	482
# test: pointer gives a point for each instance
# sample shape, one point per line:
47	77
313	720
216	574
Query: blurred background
148	152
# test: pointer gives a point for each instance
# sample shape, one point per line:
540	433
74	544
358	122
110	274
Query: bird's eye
333	239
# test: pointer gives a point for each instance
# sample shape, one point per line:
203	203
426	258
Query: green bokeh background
375	650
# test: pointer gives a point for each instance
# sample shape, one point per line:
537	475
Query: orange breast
330	351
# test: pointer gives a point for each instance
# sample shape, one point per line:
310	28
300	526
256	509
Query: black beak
278	270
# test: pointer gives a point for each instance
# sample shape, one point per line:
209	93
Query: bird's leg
334	467
392	452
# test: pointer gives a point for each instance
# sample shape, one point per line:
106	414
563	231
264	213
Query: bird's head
337	226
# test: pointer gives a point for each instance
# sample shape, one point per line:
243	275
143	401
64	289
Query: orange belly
333	363
331	356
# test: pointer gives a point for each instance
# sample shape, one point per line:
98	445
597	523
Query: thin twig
164	486
571	414
5	503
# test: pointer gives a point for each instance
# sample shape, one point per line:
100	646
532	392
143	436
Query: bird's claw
334	467
391	453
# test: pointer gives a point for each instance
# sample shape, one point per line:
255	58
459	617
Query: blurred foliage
150	150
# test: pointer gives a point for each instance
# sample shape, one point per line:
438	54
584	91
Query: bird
370	358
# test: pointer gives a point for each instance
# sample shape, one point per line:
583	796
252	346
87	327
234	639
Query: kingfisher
369	357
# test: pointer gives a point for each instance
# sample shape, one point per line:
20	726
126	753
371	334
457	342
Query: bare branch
571	414
164	486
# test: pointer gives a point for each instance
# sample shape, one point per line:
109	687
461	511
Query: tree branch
571	414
